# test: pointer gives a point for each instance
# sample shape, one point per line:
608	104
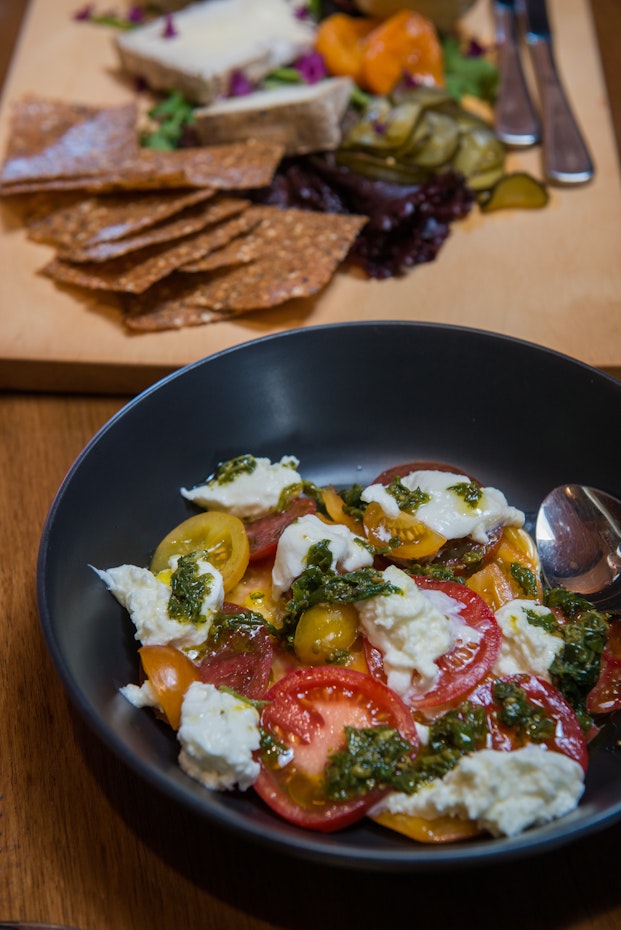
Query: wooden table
84	842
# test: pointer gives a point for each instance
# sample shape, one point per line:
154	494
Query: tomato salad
386	651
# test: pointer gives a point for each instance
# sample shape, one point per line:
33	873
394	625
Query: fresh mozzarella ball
348	551
141	695
504	792
219	733
252	493
525	646
446	512
412	629
146	599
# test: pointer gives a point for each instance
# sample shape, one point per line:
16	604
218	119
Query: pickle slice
381	168
515	191
434	141
480	150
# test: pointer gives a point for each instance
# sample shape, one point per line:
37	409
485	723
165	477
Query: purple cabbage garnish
239	84
312	67
84	13
169	31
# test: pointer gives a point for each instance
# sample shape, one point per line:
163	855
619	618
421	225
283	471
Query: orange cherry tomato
335	505
413	539
405	44
170	673
220	534
340	39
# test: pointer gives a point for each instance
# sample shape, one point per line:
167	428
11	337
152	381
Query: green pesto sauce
470	492
320	584
229	471
576	668
188	589
408	501
378	757
528	722
353	505
525	577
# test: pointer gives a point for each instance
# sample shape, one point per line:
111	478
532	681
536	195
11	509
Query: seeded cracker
190	221
299	252
101	219
138	271
296	253
103	138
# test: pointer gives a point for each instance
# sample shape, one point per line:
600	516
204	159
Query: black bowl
348	400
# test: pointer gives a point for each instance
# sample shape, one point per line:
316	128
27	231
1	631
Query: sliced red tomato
170	673
406	468
264	533
606	695
241	659
466	664
568	736
307	714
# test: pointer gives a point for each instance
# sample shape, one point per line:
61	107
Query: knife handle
515	119
566	158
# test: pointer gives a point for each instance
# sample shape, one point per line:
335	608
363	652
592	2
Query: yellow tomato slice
220	534
254	592
170	674
518	546
495	582
494	586
440	830
407	536
335	506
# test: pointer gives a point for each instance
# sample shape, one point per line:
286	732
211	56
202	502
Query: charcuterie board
549	276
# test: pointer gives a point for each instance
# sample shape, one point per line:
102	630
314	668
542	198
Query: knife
515	118
566	158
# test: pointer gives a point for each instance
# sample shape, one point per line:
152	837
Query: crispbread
136	272
295	254
94	220
189	221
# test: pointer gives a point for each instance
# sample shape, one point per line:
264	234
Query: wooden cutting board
552	276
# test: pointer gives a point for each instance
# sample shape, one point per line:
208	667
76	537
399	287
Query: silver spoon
578	536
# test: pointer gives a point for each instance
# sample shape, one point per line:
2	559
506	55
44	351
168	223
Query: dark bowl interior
348	400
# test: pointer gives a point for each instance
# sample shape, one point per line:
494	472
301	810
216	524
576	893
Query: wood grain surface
84	842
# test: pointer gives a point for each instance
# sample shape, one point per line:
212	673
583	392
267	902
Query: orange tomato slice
405	44
409	538
170	673
335	506
340	39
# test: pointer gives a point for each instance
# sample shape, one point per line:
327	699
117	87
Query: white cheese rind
250	495
525	647
146	599
218	735
503	792
446	512
412	630
213	39
348	550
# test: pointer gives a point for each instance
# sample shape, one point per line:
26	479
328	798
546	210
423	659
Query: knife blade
515	118
566	157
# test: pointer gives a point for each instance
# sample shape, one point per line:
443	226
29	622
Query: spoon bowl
578	536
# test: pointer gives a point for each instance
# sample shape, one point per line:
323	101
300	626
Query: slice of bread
198	48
